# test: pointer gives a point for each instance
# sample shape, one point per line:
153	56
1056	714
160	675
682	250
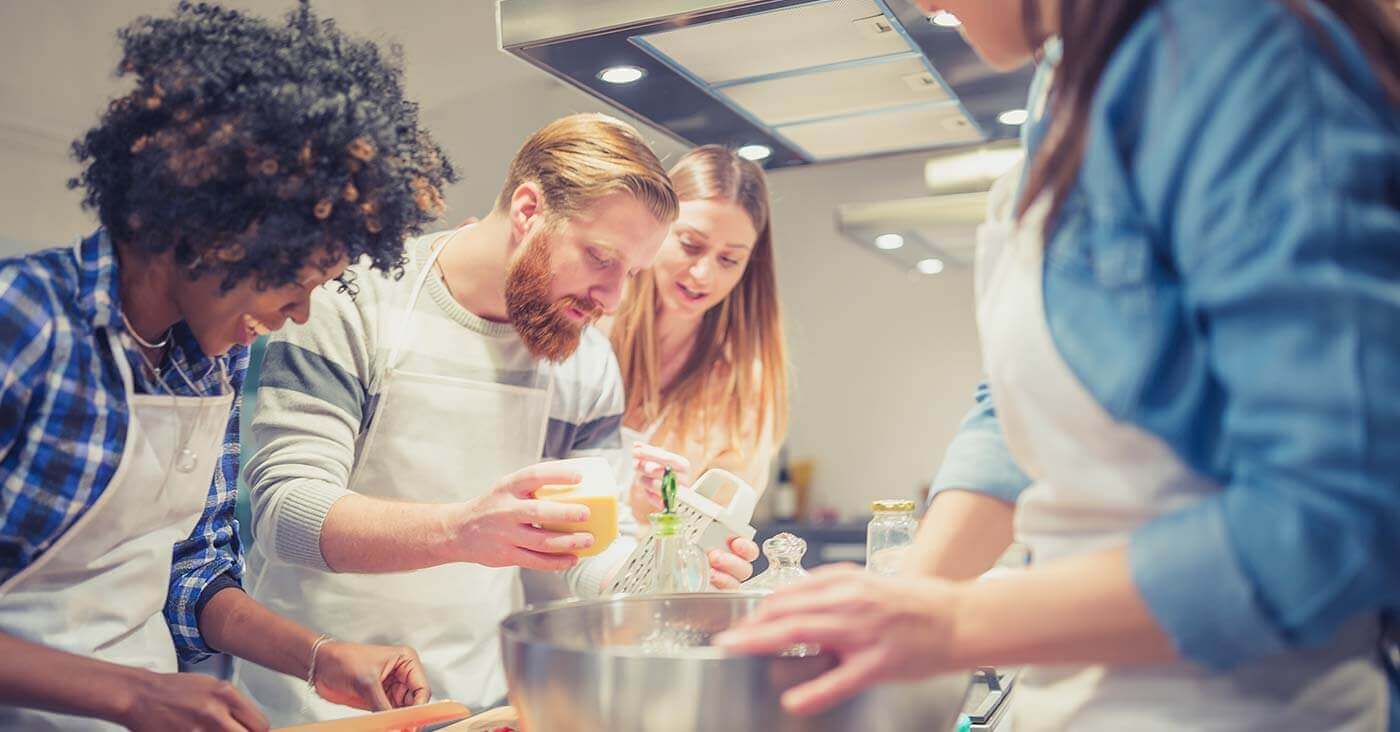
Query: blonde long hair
739	353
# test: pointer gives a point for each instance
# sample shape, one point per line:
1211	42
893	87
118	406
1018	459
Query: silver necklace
129	329
186	460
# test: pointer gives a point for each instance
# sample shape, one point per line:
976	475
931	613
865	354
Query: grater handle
736	511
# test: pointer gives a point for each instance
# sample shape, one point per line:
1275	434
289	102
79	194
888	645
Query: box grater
718	506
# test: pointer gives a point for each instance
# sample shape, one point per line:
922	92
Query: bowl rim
510	630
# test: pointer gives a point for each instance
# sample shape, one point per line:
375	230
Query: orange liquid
602	516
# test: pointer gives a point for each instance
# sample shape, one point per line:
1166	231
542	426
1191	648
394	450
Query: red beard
544	325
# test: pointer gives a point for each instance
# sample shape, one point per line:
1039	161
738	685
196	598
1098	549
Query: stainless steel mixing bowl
646	663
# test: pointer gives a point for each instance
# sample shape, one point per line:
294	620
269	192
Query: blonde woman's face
704	256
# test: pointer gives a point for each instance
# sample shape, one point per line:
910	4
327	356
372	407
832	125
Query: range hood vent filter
838	92
776	42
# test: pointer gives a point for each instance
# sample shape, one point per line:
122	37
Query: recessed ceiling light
621	74
930	266
945	19
1013	117
755	152
889	241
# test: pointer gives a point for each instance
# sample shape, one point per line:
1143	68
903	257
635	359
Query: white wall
884	364
36	208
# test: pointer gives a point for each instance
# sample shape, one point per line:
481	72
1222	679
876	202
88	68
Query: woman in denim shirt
1190	313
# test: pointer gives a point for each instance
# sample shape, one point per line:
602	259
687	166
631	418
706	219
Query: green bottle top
668	491
665	524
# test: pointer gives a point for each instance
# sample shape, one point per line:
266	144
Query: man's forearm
961	536
362	534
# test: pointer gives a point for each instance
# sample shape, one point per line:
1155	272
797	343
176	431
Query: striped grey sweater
319	389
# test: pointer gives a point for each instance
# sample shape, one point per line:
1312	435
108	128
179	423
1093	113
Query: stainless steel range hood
810	81
924	235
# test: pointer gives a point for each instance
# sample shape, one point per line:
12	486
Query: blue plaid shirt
54	463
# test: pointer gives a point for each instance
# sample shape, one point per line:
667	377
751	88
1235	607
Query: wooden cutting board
488	721
394	719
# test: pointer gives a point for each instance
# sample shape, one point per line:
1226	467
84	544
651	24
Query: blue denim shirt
1226	275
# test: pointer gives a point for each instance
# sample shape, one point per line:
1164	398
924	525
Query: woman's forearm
39	677
962	535
236	624
1079	610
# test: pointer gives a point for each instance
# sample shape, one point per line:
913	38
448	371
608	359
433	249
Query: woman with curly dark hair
252	163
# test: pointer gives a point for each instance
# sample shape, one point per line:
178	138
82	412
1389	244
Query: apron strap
548	407
123	364
1390	644
380	373
407	315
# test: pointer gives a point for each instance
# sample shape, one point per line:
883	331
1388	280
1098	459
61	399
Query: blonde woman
699	337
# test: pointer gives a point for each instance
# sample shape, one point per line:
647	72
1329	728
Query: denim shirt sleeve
1285	227
978	459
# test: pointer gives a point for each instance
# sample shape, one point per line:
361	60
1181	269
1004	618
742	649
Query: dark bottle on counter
784	492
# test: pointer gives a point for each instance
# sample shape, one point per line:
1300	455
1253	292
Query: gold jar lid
891	504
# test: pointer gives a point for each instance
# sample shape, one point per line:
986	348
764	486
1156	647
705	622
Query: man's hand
501	528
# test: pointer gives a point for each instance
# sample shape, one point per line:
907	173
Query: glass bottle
784	552
890	532
678	565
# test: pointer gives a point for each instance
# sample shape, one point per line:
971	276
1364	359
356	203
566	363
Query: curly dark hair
253	148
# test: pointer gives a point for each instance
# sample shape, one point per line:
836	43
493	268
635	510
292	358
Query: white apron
1095	480
434	437
100	590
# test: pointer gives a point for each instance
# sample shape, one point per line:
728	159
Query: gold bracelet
311	671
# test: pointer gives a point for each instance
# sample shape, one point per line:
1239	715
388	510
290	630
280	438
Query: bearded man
384	425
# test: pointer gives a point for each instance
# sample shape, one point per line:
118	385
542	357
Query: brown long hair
739	353
1092	29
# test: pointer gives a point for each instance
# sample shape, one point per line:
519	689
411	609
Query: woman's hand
730	568
370	677
880	629
649	462
188	701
